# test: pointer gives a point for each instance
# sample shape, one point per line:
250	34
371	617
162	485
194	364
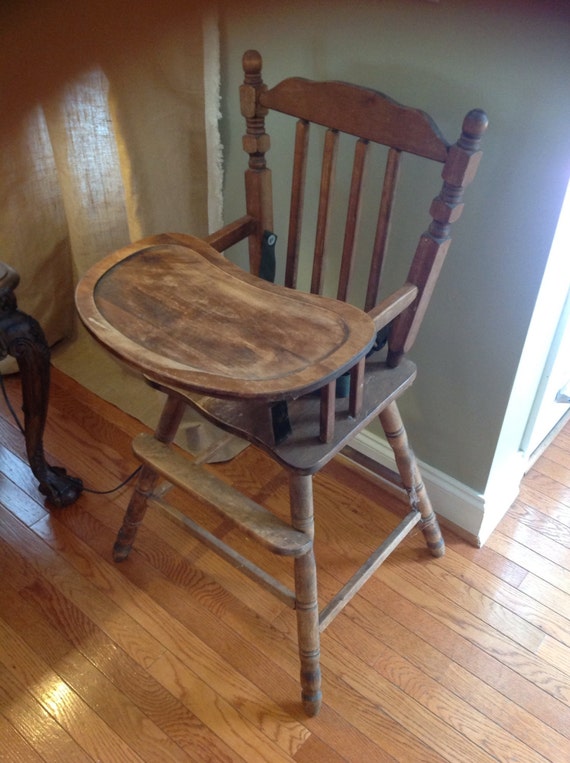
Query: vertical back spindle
297	199
352	218
383	227
323	216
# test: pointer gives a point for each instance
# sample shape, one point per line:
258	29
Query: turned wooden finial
256	140
459	170
252	63
473	129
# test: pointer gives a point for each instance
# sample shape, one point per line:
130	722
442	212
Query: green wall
511	58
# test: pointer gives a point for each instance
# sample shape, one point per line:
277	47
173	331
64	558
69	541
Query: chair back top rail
358	111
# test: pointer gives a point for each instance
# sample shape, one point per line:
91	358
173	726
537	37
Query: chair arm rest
393	305
232	233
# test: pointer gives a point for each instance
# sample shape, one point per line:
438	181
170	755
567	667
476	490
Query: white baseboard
452	501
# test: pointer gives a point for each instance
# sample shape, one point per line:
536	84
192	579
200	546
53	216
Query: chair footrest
275	534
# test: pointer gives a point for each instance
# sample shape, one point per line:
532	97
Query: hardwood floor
174	656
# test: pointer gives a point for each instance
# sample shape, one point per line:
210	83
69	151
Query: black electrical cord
21	428
113	489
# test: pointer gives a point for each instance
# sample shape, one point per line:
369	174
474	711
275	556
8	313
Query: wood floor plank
546	485
92	535
523	517
456	730
534	562
362	713
462	658
488	559
547	594
408	744
60	700
556	654
252	592
541	539
553	682
229	686
19	488
263	740
553	468
51	742
425	656
471	604
199	609
121	670
57	573
559	454
53	640
542	504
396	598
315	749
532	611
121	685
15	749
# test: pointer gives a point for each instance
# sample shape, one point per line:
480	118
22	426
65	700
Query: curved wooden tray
182	313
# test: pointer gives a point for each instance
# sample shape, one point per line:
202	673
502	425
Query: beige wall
510	58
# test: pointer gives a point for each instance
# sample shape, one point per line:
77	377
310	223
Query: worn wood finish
352	219
411	478
385	312
306	603
228	333
173	307
323	216
356	391
382	228
297	200
371	116
458	172
165	433
256	142
365	572
254	520
232	233
175	656
247	419
357	111
328	411
227	553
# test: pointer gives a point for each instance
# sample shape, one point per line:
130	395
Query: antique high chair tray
229	333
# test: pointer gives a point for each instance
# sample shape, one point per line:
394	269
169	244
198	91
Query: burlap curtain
117	155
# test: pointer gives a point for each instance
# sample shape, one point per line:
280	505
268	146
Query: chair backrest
370	117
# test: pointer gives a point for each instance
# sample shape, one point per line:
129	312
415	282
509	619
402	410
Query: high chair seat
271	363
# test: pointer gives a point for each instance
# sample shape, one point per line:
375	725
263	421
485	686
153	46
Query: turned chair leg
165	432
306	604
411	478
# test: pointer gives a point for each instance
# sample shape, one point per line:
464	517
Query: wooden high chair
268	363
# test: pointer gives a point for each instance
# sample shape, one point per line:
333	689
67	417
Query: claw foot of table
22	337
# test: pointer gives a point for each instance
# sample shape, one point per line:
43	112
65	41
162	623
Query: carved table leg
22	337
